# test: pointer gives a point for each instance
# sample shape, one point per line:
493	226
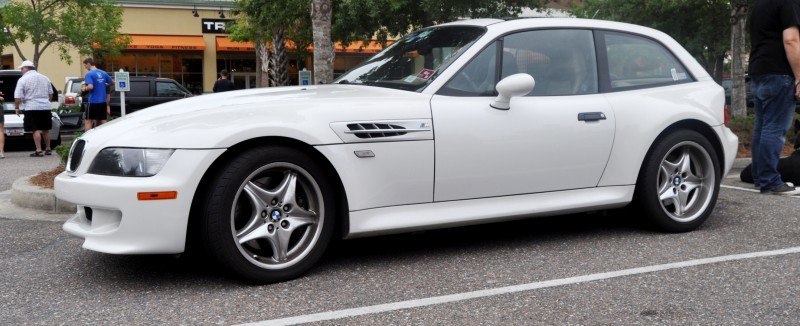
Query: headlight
130	162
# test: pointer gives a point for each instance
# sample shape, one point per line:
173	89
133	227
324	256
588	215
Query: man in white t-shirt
35	90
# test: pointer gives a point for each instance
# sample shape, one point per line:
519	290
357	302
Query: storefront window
185	68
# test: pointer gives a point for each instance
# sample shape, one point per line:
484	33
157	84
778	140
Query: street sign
305	77
122	81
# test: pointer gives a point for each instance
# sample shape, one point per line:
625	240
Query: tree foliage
273	21
382	19
703	27
90	26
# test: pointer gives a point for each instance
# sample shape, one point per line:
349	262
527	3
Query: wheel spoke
669	168
666	194
296	222
681	202
259	197
255	233
280	244
288	189
685	162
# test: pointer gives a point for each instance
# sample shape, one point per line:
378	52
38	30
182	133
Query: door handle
591	116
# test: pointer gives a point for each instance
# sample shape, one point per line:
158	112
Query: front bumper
112	220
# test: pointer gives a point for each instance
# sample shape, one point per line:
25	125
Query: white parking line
740	188
344	313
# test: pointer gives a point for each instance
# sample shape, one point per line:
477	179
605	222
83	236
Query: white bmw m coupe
462	123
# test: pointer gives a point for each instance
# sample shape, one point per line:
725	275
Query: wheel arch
342	221
690	124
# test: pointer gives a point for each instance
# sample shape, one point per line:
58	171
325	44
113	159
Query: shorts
37	120
97	111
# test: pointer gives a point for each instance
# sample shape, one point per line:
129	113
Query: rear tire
679	182
268	215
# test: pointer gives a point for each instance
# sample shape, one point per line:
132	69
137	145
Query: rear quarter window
636	62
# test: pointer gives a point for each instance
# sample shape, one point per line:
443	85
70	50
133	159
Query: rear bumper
730	147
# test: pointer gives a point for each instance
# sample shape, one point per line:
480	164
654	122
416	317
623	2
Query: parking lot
598	268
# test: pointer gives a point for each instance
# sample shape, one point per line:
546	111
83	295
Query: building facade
184	40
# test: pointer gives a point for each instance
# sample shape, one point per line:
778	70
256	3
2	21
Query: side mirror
512	86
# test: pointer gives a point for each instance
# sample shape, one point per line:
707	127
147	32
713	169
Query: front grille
75	155
375	130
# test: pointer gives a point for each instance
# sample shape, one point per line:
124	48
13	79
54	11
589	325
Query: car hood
225	119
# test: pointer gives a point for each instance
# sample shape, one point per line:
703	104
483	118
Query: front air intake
375	130
75	155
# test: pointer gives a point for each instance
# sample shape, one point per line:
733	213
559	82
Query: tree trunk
323	45
262	64
279	74
738	90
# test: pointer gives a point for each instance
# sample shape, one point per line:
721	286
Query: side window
637	62
139	89
477	78
168	89
562	62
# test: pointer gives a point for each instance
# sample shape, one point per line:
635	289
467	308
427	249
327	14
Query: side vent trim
381	131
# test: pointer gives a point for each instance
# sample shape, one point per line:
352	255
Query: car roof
10	72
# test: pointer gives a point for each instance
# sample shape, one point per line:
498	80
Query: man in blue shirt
96	82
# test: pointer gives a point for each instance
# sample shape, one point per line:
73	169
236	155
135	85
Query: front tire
269	214
679	182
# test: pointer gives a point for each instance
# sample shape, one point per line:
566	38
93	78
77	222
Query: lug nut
274	201
284	224
287	208
270	228
264	214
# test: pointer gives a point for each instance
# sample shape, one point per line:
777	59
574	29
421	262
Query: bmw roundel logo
275	215
676	181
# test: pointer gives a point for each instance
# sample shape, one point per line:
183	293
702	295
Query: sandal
37	154
48	152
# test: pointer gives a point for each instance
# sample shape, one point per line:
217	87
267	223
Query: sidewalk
10	211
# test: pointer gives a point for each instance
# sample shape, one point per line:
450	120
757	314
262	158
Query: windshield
76	87
415	60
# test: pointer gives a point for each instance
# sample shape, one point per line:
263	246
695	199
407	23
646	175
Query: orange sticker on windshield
426	74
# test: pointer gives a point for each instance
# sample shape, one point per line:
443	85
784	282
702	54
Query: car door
557	138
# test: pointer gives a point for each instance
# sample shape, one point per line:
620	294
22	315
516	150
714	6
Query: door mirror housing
512	86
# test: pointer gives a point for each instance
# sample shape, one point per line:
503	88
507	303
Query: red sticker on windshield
426	74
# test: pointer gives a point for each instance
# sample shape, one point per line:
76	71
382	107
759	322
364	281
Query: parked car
71	96
70	108
146	92
14	130
462	123
727	84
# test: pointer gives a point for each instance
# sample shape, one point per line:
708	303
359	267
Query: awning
225	44
159	42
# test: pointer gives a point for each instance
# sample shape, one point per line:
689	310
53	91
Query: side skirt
408	218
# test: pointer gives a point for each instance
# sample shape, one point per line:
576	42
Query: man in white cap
35	90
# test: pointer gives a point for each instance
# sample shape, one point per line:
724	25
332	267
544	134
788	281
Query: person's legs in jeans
758	122
774	116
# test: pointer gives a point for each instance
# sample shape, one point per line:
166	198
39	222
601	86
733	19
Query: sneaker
786	189
2	156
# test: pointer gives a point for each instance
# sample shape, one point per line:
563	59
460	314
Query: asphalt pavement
51	280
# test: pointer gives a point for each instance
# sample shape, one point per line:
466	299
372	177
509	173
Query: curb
26	195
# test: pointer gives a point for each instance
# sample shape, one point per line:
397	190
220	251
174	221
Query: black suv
146	92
